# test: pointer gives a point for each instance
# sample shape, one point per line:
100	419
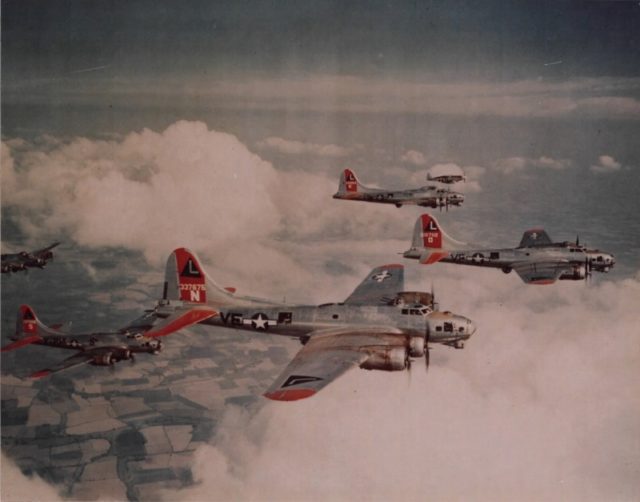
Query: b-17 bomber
101	348
537	259
378	327
427	196
447	178
14	262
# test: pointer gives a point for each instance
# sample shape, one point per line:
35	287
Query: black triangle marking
297	379
190	269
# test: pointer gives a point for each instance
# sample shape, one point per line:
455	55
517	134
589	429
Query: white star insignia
260	322
381	276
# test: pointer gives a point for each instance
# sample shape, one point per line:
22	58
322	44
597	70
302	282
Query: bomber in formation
537	259
427	196
14	262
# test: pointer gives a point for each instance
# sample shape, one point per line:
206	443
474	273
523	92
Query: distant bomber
537	260
447	178
426	196
101	348
23	260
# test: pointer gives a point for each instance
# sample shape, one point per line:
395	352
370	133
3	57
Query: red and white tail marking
29	321
350	181
431	233
191	277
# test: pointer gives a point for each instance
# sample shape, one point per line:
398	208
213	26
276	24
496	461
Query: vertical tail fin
29	329
429	236
28	324
187	281
348	183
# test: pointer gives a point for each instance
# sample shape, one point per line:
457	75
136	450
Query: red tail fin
348	185
187	280
191	277
350	181
431	233
28	329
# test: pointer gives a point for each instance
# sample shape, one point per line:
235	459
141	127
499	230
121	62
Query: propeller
427	339
587	269
577	240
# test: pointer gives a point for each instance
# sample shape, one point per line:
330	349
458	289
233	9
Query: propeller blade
587	269
427	339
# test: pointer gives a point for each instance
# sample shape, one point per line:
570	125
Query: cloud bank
190	186
598	97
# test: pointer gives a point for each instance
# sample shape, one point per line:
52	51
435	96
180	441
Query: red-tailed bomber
14	262
103	348
378	327
537	260
426	196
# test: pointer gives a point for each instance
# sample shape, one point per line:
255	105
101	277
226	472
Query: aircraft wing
179	320
326	356
44	250
541	272
379	287
84	357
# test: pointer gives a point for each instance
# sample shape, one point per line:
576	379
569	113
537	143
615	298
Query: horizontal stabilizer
181	320
21	343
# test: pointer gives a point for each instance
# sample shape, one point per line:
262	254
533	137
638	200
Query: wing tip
542	282
290	394
40	374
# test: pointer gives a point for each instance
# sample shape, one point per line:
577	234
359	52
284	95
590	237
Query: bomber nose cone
471	327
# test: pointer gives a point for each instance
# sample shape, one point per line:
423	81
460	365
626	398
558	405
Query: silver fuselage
427	196
507	257
301	321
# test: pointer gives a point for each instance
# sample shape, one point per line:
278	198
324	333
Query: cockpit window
448	326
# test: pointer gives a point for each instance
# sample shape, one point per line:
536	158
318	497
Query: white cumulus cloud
513	165
606	164
186	186
291	147
413	157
